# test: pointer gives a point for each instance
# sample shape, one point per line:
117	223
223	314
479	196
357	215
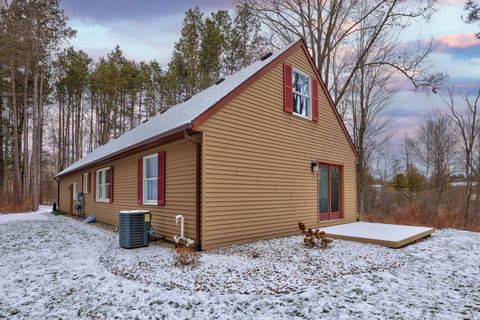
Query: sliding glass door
329	191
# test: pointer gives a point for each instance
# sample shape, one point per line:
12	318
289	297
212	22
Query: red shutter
89	176
140	181
83	178
161	178
314	99
110	186
287	88
95	185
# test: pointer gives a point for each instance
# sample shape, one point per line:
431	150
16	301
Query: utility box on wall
134	227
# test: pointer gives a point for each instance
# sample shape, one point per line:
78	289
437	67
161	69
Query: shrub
184	254
425	208
312	238
10	207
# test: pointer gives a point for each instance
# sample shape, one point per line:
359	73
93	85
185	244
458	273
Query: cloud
111	10
144	29
465	45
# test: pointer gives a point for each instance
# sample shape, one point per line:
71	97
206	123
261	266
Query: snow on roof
177	116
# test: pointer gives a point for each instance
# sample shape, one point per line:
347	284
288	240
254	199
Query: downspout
198	148
58	193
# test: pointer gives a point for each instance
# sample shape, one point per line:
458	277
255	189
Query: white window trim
85	183
97	187
302	95
74	191
144	180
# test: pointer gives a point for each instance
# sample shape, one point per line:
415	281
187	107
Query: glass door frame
325	216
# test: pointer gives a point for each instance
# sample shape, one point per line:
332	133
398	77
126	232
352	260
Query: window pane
152	189
151	167
323	188
301	83
106	176
301	105
99	177
74	191
106	191
296	80
335	185
100	192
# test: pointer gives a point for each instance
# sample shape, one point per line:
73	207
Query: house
246	158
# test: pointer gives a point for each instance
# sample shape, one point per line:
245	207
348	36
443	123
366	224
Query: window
102	187
150	179
86	183
74	191
329	191
301	90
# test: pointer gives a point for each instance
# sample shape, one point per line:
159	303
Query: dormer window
301	92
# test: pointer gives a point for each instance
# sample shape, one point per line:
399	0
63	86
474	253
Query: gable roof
192	112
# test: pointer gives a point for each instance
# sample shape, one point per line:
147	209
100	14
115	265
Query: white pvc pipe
182	221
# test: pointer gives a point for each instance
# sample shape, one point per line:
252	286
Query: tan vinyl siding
257	180
179	196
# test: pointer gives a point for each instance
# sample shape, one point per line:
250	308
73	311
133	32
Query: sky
147	30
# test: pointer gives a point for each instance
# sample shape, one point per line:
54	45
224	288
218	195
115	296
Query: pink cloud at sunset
465	40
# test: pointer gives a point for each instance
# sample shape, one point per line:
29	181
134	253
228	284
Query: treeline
58	104
435	179
31	32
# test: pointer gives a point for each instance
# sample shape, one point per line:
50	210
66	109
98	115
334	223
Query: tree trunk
2	163
468	175
360	187
26	175
16	151
78	134
35	140
90	146
40	141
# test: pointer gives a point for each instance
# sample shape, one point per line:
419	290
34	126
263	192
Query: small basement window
103	178
85	183
302	97
150	179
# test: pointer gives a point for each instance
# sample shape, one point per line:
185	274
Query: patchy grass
10	207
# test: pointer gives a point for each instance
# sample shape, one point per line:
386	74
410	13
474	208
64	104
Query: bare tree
328	26
366	102
435	149
467	122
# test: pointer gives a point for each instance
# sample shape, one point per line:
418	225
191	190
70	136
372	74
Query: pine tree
214	34
186	56
245	44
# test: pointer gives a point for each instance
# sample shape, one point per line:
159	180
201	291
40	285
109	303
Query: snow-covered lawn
42	214
58	267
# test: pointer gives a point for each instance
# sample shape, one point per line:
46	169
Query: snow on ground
42	214
60	268
262	267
